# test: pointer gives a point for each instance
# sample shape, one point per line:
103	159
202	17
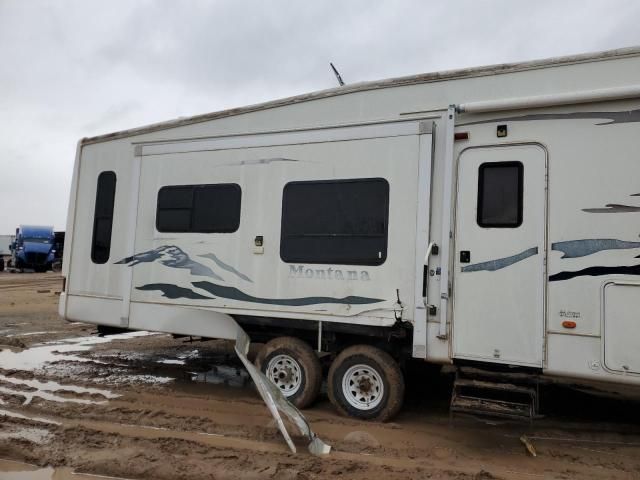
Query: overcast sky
70	69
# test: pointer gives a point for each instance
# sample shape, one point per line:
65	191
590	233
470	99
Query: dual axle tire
293	366
364	382
367	383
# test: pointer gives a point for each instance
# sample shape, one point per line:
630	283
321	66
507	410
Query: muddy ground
151	406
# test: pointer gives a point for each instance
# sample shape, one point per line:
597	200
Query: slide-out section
317	224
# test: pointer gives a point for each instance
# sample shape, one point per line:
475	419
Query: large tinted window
500	195
103	217
199	208
337	221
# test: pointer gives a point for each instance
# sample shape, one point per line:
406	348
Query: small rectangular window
500	195
199	208
103	217
335	221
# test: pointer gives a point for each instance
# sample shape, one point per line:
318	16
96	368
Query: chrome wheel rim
285	373
362	387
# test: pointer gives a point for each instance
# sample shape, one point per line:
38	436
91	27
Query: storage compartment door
621	327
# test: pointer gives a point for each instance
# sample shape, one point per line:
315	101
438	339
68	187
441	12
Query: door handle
432	249
465	256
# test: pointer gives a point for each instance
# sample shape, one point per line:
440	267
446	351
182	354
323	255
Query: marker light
461	136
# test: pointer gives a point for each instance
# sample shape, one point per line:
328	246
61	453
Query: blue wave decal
596	272
500	263
174	257
613	208
173	291
171	256
584	247
226	267
233	293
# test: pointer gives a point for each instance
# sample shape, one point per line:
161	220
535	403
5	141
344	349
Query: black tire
308	366
1	264
376	366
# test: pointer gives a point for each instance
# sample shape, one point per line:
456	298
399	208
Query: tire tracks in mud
34	286
235	424
7	284
416	454
262	452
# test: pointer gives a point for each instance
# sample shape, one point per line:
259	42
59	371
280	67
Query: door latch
465	256
258	245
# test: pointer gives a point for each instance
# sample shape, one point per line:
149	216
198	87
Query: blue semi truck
34	247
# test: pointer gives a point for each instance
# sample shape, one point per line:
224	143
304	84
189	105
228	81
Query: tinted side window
500	195
337	221
216	208
174	209
103	217
199	208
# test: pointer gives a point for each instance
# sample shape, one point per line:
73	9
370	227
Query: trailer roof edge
495	69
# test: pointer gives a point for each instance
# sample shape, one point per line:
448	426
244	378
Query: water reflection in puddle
49	355
170	361
38	356
180	359
31	434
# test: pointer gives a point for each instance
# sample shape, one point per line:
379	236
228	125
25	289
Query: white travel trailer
485	217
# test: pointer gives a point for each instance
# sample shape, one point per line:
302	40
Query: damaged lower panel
276	401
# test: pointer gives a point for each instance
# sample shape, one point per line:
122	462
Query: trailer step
506	387
501	408
497	399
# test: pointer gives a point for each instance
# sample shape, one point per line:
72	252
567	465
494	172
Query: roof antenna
337	74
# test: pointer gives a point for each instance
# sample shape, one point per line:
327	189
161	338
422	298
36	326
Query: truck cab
33	248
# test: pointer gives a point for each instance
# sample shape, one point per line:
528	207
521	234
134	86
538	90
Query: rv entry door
499	256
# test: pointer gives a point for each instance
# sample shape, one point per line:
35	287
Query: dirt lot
150	406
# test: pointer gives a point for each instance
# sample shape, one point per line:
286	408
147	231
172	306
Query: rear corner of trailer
68	242
95	234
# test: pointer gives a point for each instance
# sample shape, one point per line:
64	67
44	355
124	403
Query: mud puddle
206	366
10	470
65	358
38	356
30	434
180	359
